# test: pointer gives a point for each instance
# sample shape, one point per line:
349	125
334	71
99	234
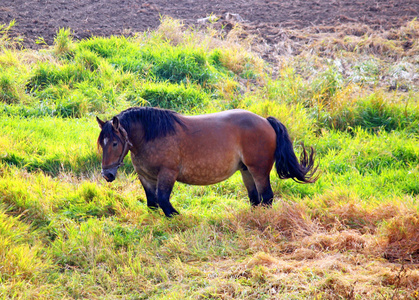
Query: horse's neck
136	137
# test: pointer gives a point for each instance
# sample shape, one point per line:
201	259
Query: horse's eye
115	144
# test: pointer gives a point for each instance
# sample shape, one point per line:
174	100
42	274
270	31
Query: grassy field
65	233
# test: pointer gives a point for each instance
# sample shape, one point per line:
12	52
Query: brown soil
42	18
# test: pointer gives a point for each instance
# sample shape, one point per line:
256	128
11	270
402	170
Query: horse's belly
206	174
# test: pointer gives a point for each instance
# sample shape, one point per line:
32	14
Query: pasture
66	233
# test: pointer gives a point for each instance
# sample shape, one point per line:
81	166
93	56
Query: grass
66	233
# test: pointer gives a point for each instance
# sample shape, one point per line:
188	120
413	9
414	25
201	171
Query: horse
205	149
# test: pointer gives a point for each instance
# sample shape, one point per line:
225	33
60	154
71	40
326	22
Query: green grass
102	74
65	233
53	145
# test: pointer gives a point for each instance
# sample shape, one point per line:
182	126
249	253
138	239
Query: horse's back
231	119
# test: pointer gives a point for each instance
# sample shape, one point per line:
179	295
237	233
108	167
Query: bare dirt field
42	18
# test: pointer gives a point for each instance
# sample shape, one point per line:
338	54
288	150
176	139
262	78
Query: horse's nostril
109	177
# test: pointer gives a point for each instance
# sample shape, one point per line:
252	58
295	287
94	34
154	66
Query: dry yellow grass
359	38
295	251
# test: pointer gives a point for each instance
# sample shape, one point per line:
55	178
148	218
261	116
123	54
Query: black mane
156	122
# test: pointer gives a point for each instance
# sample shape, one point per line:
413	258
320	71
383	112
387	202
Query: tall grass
52	145
66	233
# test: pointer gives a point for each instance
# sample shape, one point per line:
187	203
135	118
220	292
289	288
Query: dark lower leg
165	184
267	196
151	200
254	197
252	191
164	203
264	188
150	189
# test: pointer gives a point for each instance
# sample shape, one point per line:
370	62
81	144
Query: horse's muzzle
109	174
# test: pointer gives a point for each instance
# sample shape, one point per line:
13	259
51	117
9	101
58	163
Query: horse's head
113	139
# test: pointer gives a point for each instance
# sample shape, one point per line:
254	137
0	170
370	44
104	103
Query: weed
63	43
6	41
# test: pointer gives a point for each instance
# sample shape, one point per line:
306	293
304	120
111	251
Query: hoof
172	213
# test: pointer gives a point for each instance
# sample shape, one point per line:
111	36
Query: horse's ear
115	123
100	122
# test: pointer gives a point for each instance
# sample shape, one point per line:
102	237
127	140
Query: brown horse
167	147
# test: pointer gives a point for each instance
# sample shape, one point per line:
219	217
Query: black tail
286	163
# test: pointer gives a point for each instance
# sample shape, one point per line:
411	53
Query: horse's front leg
165	182
150	188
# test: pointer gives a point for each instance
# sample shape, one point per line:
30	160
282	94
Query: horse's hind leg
251	187
263	185
266	192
